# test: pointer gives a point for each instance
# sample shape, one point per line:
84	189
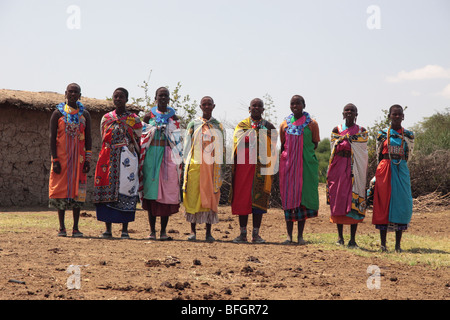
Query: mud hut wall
25	156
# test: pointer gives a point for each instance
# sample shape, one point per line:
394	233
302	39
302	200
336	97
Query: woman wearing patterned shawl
116	175
204	156
160	164
70	144
299	176
253	166
392	202
346	176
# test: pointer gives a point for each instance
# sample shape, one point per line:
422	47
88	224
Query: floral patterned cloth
116	174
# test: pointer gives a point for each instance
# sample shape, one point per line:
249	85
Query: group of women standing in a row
143	161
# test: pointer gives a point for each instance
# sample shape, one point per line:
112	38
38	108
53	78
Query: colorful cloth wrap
160	163
299	181
346	176
392	202
204	146
68	189
254	162
116	174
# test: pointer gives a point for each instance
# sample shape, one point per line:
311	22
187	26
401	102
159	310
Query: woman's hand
86	167
56	167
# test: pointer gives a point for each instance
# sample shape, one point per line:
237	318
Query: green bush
429	165
323	152
433	134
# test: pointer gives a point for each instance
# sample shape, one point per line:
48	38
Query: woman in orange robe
70	144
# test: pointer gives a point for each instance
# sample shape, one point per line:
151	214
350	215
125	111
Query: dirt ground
35	265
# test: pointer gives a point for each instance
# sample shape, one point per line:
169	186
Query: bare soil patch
34	263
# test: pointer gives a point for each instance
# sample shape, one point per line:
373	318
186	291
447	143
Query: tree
184	104
270	111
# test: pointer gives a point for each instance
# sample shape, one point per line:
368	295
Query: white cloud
446	92
427	72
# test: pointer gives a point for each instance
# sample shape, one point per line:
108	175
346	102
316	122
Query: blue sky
235	51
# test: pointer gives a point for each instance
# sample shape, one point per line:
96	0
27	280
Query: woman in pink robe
346	178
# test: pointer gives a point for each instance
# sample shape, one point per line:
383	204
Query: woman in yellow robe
204	143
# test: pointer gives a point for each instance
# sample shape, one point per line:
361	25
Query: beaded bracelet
88	155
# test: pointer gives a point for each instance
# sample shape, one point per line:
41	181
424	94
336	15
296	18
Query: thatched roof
47	101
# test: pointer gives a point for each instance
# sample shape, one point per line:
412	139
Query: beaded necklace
72	120
257	124
162	118
294	129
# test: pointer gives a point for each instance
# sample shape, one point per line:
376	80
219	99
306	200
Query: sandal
258	239
192	237
124	235
210	238
152	236
165	237
77	234
352	245
240	239
106	235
